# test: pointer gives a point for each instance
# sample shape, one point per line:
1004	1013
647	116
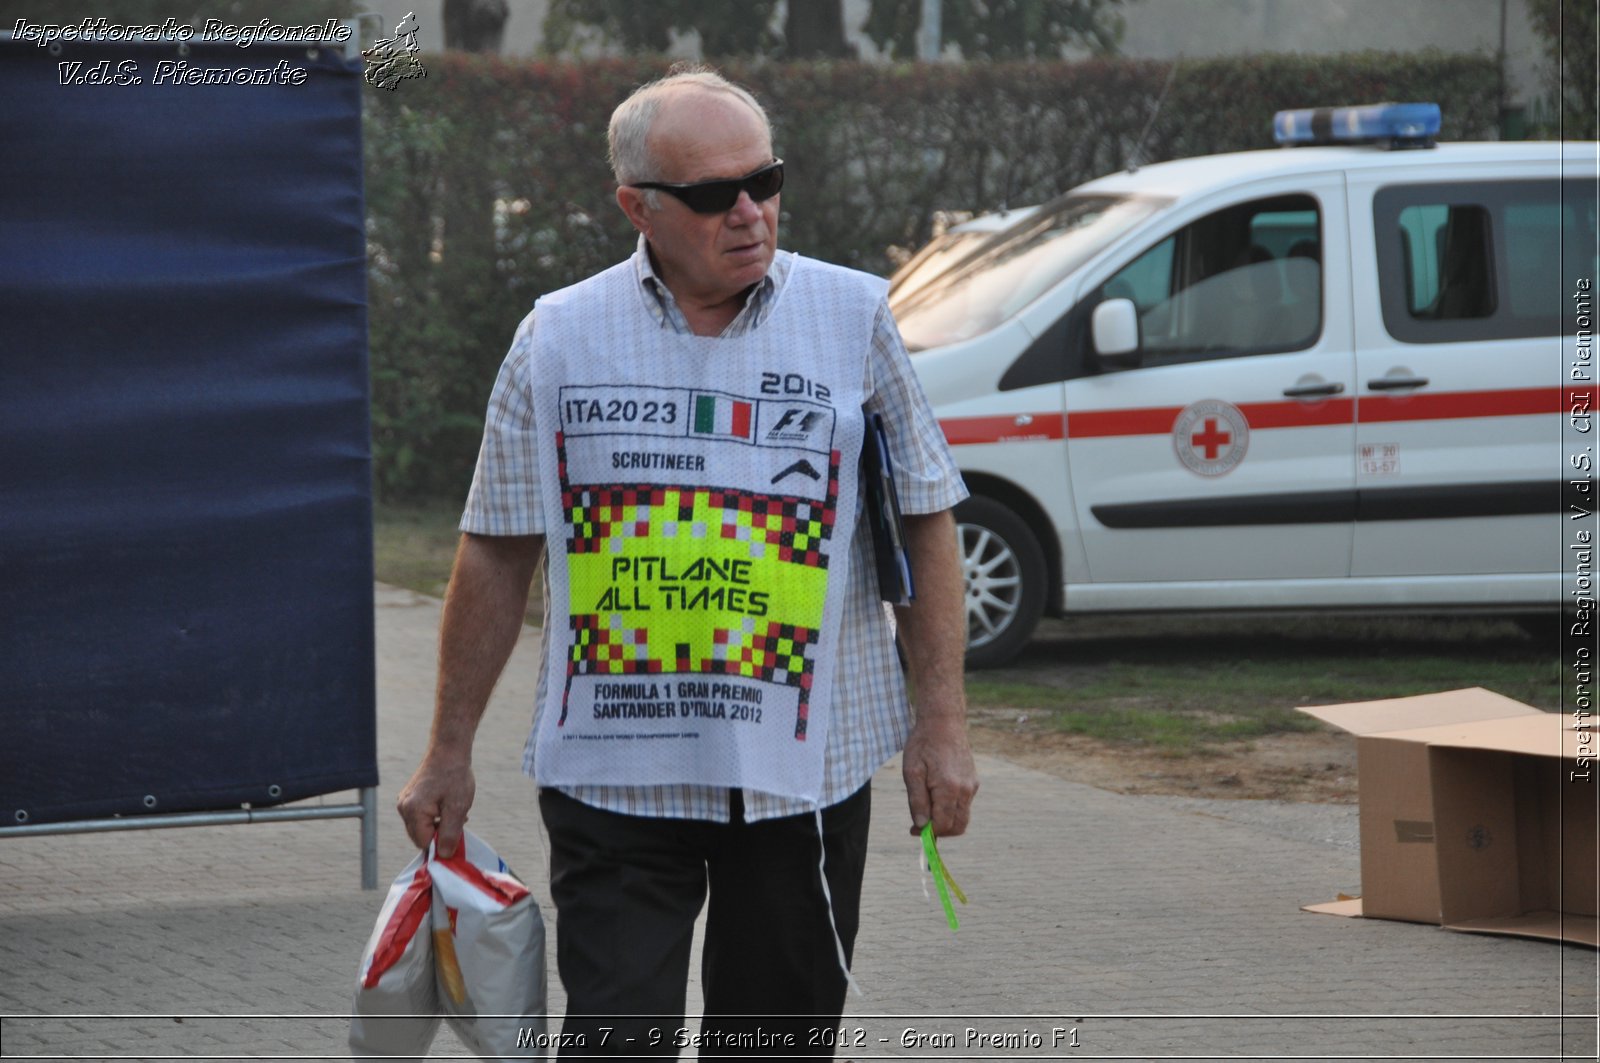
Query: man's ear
631	200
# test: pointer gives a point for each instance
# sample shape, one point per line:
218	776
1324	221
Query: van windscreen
1014	267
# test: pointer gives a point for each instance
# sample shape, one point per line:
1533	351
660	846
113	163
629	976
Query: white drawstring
827	895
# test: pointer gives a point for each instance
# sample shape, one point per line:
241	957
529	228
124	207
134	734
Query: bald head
668	107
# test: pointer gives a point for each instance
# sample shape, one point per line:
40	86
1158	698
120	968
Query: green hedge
487	183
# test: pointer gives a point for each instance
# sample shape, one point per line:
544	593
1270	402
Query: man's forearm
933	628
940	776
483	617
482	620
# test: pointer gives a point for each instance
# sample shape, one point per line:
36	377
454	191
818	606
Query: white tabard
700	495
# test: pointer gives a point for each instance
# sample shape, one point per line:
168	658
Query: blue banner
185	502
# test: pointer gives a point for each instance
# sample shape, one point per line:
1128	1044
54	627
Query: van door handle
1307	391
1397	383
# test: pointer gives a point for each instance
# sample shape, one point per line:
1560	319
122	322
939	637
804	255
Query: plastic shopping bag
396	1009
460	939
488	950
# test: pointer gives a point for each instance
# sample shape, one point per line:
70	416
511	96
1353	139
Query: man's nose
745	211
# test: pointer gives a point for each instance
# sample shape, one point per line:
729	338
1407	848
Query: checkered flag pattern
793	527
776	653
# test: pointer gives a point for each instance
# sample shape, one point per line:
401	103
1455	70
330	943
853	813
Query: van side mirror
1115	330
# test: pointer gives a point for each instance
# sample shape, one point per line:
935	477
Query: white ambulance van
1316	378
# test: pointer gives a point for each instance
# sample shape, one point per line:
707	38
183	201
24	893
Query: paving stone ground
1100	925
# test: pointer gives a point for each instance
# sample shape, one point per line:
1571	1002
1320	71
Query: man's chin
749	272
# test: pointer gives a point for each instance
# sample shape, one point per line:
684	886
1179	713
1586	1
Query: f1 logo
807	419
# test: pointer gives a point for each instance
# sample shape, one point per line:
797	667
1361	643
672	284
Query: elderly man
720	680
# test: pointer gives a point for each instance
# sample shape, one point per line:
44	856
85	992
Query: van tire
1003	573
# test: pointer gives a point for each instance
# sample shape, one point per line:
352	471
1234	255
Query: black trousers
627	891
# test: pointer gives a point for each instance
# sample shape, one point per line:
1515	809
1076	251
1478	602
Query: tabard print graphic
668	582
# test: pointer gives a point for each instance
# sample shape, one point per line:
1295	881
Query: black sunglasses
714	197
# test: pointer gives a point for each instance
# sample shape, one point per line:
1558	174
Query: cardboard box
1471	817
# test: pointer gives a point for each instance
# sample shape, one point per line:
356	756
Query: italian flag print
717	415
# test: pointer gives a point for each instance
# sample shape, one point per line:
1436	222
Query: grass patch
415	546
1154	683
1177	732
1157	711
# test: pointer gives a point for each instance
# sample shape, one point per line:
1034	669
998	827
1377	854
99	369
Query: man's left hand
941	778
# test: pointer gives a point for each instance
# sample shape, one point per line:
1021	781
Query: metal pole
369	837
366	811
186	819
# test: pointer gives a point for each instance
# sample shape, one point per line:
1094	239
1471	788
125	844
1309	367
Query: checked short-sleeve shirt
870	712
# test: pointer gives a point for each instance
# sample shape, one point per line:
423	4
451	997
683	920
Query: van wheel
1004	574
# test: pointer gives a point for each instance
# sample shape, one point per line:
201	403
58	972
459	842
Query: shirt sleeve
925	473
504	499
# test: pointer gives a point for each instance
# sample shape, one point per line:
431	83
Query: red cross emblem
1210	437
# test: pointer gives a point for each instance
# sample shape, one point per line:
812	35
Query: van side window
1481	260
1245	280
1447	257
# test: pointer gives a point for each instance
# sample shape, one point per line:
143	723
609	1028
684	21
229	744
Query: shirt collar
664	309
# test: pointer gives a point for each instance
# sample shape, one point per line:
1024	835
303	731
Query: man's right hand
436	801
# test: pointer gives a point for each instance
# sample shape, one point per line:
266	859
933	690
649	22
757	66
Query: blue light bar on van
1396	125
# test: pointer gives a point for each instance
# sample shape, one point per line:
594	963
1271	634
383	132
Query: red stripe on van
1373	409
1293	414
963	431
1420	406
1159	420
1147	422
